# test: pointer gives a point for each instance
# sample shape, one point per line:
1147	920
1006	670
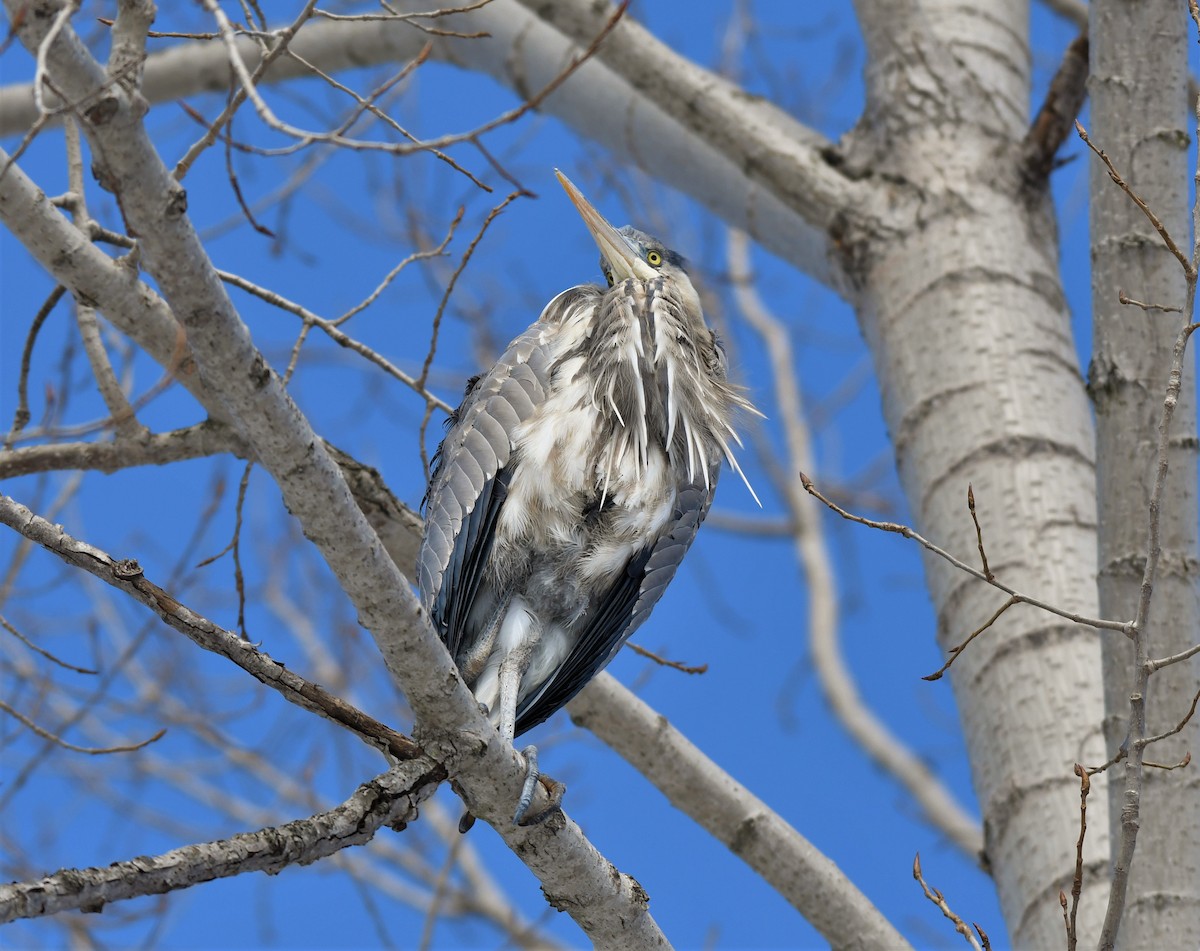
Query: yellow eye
653	258
608	277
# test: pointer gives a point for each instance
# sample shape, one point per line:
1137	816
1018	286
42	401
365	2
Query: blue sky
737	605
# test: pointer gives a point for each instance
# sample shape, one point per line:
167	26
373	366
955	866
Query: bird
571	481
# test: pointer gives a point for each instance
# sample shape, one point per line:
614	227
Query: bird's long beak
620	254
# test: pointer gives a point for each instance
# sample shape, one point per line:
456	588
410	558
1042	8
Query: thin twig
1169	767
1085	786
22	416
1161	662
462	265
938	899
4	623
424	254
1165	308
39	76
231	175
664	662
959	648
167	35
1175	729
987	572
90	750
441	309
1188	268
1125	627
235	544
342	339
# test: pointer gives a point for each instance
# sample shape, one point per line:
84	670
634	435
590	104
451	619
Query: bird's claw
554	789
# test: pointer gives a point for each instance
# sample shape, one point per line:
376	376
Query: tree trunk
963	309
1139	104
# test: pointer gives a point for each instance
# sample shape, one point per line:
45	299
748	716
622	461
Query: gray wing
469	477
624	606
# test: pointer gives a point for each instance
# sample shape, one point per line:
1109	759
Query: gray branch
611	907
809	880
745	159
157	449
390	799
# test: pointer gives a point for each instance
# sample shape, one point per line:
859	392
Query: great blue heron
572	479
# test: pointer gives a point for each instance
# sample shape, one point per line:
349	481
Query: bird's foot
554	789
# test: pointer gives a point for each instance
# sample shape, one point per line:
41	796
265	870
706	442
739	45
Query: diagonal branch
390	799
126	575
609	906
764	173
809	880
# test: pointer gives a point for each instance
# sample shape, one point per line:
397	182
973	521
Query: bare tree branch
938	899
450	726
126	575
599	100
156	449
938	806
756	834
1124	627
390	799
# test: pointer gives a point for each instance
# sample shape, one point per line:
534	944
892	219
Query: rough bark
813	884
965	316
600	102
926	219
1139	106
611	907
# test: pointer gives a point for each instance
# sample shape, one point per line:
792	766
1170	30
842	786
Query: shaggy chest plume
573	478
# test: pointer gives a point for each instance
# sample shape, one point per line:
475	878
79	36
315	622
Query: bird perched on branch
572	479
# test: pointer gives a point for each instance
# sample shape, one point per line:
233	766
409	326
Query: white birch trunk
963	310
1139	106
925	220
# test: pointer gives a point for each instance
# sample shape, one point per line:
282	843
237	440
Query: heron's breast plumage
619	453
592	481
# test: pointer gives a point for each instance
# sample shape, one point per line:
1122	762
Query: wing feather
624	606
469	480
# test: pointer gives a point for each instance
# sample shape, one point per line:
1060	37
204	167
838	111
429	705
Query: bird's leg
512	670
472	662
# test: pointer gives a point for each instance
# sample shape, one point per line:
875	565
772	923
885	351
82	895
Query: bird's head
628	253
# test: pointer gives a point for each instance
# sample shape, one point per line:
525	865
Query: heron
571	481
